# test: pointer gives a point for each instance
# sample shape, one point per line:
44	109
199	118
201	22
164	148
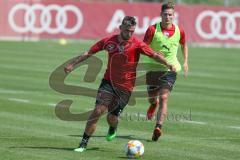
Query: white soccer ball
134	149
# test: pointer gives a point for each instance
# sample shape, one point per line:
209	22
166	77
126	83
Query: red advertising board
78	20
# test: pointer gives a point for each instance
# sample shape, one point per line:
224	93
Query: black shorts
115	99
160	79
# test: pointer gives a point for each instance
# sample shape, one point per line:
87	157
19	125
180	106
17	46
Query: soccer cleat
82	147
156	134
151	110
110	137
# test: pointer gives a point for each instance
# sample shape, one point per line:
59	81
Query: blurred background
208	23
207	2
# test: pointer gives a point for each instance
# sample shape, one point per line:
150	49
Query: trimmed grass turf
29	128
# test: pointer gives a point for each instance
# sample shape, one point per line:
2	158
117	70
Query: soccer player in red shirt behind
118	82
163	37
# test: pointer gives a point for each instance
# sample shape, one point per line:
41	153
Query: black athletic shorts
115	99
160	79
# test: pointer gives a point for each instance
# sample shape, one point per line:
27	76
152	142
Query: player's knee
112	117
95	115
163	97
98	111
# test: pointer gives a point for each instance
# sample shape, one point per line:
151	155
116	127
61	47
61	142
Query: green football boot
112	132
110	137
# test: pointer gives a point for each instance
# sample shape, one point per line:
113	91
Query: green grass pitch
204	108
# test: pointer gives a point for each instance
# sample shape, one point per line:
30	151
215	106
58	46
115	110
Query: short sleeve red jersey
167	32
123	58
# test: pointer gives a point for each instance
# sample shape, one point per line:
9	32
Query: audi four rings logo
45	18
217	25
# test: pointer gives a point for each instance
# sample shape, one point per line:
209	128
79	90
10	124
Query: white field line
184	121
141	115
11	91
17	92
51	104
19	100
194	122
28	101
12	137
221	138
234	127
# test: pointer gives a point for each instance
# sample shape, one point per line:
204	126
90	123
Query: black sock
111	130
84	141
158	126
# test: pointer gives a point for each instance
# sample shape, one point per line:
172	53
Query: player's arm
184	49
94	49
69	67
149	35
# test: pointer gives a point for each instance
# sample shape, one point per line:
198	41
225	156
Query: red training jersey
167	32
123	58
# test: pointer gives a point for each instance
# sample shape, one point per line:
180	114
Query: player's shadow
128	137
54	148
126	158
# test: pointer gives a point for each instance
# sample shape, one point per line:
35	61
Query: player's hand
185	66
172	68
68	68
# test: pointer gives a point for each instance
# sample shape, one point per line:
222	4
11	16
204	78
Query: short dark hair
168	5
129	21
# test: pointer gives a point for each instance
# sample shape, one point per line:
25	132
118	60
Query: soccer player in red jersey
115	90
163	37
